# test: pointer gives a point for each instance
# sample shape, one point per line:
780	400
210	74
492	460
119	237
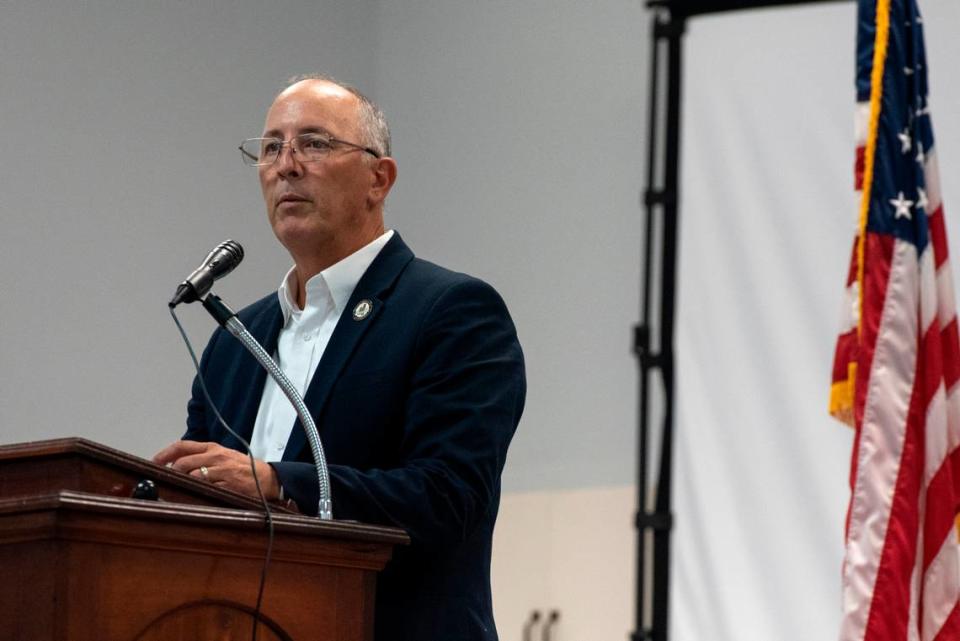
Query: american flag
897	359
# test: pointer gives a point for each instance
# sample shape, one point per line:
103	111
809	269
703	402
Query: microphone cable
253	468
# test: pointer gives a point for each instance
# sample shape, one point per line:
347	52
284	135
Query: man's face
322	206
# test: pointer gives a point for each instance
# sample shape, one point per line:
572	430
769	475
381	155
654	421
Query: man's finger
198	474
193	462
178	449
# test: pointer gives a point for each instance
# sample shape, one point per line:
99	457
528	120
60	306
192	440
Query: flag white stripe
946	306
850	308
931	176
861	122
881	439
938	436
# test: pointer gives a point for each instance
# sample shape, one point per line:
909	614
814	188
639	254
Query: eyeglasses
257	152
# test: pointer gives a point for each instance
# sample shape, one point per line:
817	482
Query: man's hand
225	468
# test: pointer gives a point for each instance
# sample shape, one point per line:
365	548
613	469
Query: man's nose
287	164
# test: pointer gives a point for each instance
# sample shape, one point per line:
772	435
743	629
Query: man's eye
316	144
270	147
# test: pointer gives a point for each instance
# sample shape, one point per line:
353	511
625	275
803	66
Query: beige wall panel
571	551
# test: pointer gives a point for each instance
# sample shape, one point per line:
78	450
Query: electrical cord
253	468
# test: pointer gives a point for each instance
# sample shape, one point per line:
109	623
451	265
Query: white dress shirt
302	341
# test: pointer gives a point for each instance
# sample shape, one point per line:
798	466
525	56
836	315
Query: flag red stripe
877	255
954	461
890	606
938	236
858	166
930	363
950	348
941	507
844	354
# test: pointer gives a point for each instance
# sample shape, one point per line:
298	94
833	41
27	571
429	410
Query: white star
908	71
922	201
903	207
921	157
904	137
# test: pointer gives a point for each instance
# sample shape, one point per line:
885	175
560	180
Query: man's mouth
291	198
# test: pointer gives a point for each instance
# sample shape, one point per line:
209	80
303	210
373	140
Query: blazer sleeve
466	395
198	427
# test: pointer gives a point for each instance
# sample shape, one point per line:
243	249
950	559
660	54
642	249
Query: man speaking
413	373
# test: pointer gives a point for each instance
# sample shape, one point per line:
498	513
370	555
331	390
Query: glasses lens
250	151
312	147
256	151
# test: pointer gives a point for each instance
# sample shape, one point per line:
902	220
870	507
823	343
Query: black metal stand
655	350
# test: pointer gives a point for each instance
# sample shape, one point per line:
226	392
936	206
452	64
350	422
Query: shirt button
280	447
308	337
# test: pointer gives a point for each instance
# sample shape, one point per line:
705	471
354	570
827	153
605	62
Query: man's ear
384	175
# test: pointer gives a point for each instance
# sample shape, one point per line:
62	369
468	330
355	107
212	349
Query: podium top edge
54	446
139	509
136	467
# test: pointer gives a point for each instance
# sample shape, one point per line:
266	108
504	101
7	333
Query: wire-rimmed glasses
309	147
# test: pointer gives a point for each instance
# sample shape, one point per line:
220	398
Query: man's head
325	209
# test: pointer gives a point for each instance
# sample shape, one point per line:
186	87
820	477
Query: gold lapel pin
362	310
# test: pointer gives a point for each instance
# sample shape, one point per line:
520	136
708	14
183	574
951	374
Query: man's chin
298	233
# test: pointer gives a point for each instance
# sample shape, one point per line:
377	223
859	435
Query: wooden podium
82	561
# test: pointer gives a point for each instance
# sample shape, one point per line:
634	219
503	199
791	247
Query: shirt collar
336	281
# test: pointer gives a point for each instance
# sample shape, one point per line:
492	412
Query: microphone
221	261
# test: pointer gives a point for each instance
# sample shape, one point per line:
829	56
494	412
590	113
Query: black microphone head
231	250
221	261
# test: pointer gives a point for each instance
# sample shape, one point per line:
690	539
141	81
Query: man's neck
309	264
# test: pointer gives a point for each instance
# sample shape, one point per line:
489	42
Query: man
413	373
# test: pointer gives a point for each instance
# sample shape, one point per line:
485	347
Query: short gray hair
374	128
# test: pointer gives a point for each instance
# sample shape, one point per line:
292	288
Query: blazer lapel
251	377
373	287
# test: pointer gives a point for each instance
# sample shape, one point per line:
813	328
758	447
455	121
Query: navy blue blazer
415	404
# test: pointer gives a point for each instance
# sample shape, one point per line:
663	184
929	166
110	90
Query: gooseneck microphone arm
229	321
